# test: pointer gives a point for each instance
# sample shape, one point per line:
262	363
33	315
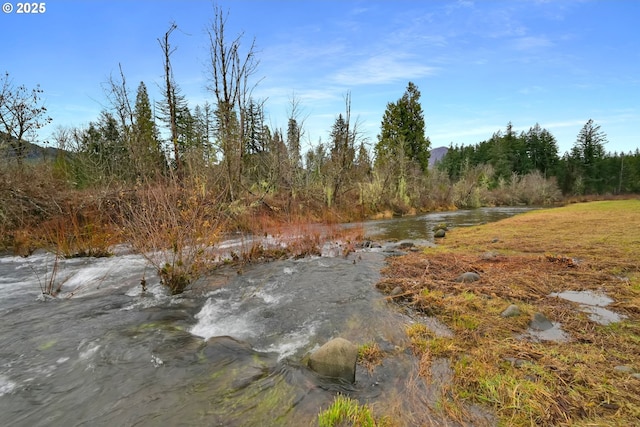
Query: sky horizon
478	64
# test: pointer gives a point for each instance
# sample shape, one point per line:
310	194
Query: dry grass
521	260
370	355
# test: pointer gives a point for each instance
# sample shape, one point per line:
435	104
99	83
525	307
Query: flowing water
229	351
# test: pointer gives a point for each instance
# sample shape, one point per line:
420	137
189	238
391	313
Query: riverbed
227	352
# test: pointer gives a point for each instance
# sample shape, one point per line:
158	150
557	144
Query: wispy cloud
531	42
382	69
531	90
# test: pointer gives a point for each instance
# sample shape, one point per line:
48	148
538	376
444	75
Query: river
227	352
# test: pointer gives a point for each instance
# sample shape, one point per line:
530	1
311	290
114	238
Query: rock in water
336	359
540	322
439	233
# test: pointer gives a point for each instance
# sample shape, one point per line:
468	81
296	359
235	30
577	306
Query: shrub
173	226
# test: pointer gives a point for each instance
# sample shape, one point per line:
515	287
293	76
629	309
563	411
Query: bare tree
230	72
295	131
171	94
22	113
117	93
344	136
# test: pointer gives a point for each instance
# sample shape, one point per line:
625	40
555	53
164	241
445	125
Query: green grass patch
345	411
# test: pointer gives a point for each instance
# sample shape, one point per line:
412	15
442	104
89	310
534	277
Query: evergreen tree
174	112
362	165
279	161
402	149
253	128
403	131
102	144
342	154
146	148
203	117
587	155
294	134
542	149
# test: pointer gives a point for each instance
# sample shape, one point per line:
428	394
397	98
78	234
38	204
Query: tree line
227	147
586	169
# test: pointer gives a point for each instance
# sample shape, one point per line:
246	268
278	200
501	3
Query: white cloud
382	69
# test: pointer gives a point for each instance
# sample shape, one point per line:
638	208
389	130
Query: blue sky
478	64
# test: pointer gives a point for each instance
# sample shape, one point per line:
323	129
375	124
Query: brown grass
521	260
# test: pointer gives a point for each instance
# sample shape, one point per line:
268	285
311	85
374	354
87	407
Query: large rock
540	322
468	277
336	359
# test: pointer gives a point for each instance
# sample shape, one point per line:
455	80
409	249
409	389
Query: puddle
592	303
602	315
543	329
554	333
584	297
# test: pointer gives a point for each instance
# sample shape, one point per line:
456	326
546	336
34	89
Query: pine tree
588	153
102	143
403	131
542	149
146	148
203	117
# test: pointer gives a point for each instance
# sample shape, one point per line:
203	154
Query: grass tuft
345	411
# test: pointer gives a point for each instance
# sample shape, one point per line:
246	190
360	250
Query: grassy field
592	378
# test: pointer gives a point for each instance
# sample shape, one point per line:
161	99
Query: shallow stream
227	352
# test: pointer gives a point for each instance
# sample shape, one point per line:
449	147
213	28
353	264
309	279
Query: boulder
441	226
336	359
540	322
488	256
440	233
511	311
468	277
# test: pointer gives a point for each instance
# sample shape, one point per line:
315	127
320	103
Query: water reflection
422	226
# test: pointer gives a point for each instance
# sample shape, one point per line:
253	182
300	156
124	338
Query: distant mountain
33	152
436	155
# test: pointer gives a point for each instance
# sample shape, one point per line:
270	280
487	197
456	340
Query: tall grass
49	286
